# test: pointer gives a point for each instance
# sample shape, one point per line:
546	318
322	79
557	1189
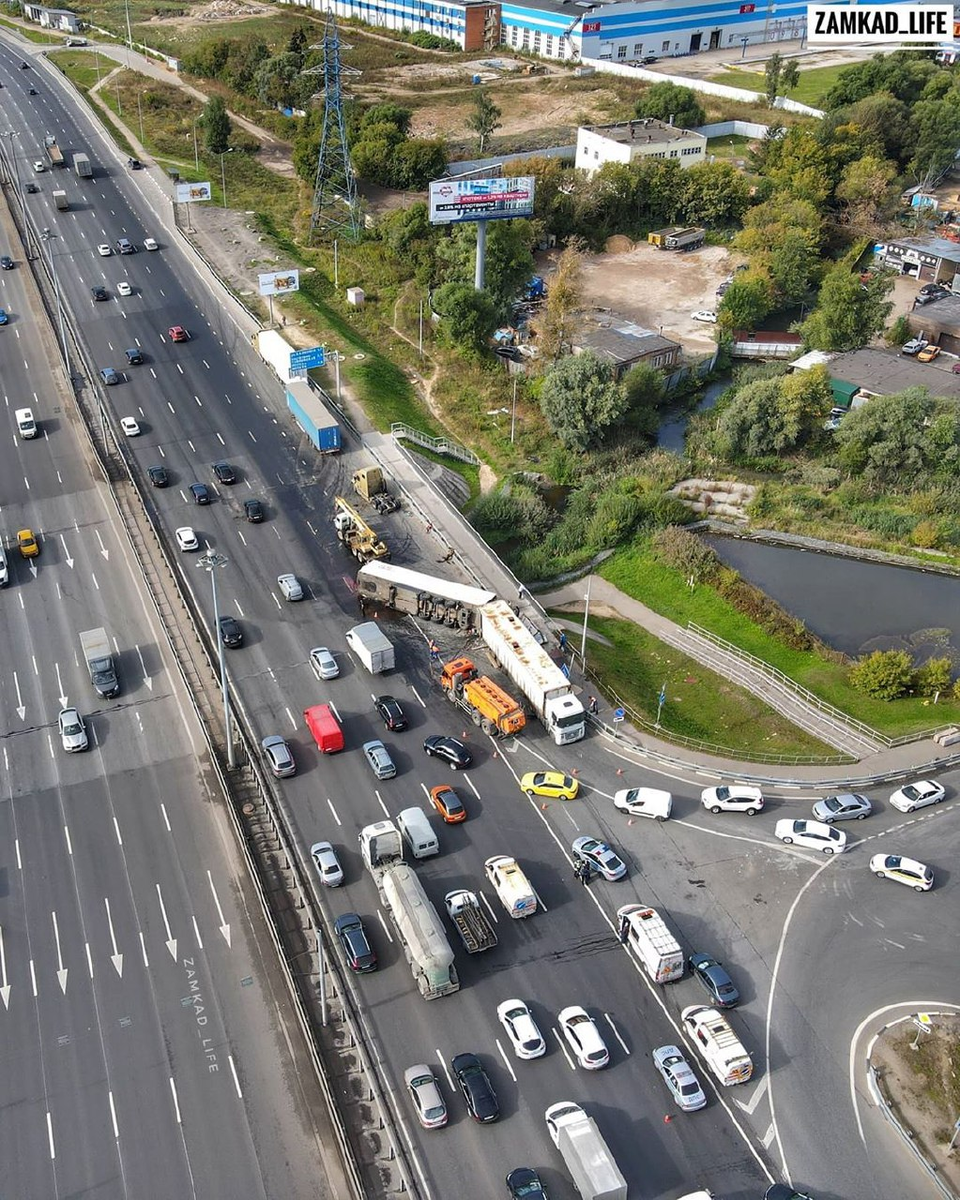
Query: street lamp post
140	115
196	151
223	177
47	236
513	415
129	34
210	561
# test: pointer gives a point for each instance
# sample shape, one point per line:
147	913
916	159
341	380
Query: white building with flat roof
645	137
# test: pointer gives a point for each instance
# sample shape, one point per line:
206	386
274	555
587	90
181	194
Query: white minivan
26	425
418	833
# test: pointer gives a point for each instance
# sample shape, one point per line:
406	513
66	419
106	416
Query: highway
724	884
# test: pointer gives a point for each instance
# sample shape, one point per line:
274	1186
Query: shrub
497	516
926	535
819	476
933	676
686	553
885	674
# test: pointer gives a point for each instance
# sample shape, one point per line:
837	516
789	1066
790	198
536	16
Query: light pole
513	415
47	236
586	617
210	561
196	151
11	134
337	360
223	178
129	34
140	115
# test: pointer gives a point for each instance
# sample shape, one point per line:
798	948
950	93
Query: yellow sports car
551	784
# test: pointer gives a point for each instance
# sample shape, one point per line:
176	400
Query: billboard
187	193
279	283
453	200
305	360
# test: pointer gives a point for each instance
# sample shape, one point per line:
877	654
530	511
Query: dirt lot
657	289
924	1088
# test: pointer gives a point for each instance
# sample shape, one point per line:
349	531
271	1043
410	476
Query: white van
4	569
721	1048
26	425
418	833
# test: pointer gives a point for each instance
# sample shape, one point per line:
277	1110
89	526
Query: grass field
814	83
635	571
699	705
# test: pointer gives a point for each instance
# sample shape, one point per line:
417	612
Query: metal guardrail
908	1137
440	445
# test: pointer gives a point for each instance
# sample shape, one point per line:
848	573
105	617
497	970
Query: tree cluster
247	65
891	674
583	403
771	417
902	441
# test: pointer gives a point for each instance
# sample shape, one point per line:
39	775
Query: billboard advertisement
187	193
279	283
453	200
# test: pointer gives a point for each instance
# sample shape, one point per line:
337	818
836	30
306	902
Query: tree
746	302
509	259
468	317
848	313
885	674
667	101
645	390
246	56
418	160
278	82
581	400
792	264
936	129
298	43
885	442
750	426
902	74
805	399
866	190
714	194
484	119
780	76
564	296
216	126
933	676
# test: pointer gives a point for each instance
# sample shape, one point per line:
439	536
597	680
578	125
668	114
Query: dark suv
230	632
224	472
450	750
134	356
125	246
353	942
390	712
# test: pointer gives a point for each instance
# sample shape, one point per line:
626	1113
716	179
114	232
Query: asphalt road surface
725	885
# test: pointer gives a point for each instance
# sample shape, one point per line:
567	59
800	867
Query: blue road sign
304	360
619	714
662	698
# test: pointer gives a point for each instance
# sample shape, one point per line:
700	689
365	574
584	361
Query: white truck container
61	200
518	653
372	647
718	1045
26	425
511	885
645	932
417	922
275	351
426	596
476	932
592	1167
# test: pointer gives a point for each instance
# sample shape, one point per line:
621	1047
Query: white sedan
902	870
813	835
130	426
705	315
583	1038
104	250
187	539
150	244
918	795
328	865
644	802
323	664
124	288
73	733
520	1027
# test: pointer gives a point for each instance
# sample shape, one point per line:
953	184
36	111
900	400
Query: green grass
41	37
700	705
80	68
637	573
814	83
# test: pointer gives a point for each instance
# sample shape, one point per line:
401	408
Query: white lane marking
53	1152
473	786
113	1116
506	1061
236	1081
383	922
750	1106
616	1033
560	1042
443	1064
176	1103
334	811
417	694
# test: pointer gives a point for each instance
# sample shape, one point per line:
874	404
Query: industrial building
644	138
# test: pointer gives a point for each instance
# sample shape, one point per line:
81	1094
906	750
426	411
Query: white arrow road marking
66	554
768	1137
5	987
116	958
751	1105
224	926
103	550
63	695
21	709
61	969
171	940
143	666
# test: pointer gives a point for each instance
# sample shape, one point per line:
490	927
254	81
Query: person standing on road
563	640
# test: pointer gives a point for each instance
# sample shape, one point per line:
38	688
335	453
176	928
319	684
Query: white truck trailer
592	1167
518	653
372	647
97	654
455	604
417	922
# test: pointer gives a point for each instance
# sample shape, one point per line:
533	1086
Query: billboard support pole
270	298
480	275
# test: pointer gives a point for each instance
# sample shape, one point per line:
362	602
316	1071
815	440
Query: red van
325	728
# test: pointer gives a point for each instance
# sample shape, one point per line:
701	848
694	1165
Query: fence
439	445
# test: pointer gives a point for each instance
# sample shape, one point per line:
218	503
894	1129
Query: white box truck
719	1046
645	932
511	885
372	647
592	1167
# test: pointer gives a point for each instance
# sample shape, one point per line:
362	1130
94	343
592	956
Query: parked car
600	857
354	943
928	354
902	870
449	749
482	1103
378	756
425	1093
290	586
677	1074
552	784
813	835
644	802
328	865
707	316
917	795
848	806
390	713
279	758
323	664
448	804
914	346
713	978
735	798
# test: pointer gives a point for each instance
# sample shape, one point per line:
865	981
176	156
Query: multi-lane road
814	946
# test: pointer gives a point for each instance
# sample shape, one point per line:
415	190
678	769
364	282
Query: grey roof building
622	345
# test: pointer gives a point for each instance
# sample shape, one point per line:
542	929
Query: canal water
854	606
674	428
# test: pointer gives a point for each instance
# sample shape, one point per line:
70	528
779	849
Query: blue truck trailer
313	416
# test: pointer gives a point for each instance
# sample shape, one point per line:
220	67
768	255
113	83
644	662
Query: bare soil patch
217	10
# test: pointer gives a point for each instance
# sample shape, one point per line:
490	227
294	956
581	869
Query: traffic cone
630	822
619	770
544	807
667	1119
575	771
463	733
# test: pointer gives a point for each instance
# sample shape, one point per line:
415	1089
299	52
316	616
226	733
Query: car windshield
71	725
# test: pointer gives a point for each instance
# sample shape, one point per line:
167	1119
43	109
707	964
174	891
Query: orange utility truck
489	706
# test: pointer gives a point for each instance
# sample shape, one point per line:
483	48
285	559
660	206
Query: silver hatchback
379	759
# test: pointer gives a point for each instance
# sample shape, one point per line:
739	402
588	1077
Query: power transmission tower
336	210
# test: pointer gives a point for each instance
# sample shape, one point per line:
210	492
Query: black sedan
713	978
159	476
200	493
99	293
6	262
523	1183
253	511
477	1089
224	472
390	713
230	632
353	941
450	750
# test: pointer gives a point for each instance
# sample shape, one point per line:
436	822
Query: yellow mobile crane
363	542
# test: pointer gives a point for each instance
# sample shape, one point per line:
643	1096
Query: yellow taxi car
928	354
551	784
29	546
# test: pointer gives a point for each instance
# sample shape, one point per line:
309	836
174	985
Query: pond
854	606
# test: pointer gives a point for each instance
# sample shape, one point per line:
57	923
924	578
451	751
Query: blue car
3	316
